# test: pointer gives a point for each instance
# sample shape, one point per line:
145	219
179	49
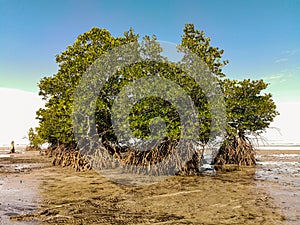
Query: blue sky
261	39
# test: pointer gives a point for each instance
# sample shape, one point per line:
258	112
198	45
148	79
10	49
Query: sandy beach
34	192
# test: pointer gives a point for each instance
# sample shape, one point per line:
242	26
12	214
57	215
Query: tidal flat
34	192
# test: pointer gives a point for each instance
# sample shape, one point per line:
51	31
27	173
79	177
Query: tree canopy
55	122
247	108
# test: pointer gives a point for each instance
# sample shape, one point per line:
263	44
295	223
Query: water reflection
280	174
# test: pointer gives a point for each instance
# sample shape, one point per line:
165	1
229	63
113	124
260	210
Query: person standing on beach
12	147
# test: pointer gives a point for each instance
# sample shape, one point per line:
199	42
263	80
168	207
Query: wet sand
279	173
19	188
42	194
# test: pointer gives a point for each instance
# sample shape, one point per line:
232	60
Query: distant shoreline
18	148
279	147
277	151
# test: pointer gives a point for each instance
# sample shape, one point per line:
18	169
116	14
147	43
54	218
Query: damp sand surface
278	172
19	188
56	195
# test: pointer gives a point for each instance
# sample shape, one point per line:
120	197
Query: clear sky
261	38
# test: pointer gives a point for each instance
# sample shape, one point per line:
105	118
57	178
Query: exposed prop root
32	148
236	150
66	156
158	161
151	162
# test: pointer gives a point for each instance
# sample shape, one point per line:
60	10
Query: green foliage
55	122
196	41
248	110
34	138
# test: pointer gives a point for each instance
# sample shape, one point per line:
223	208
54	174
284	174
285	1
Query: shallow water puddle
280	174
18	196
18	189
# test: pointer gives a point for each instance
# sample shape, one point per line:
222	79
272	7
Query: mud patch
279	173
88	198
38	193
19	194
